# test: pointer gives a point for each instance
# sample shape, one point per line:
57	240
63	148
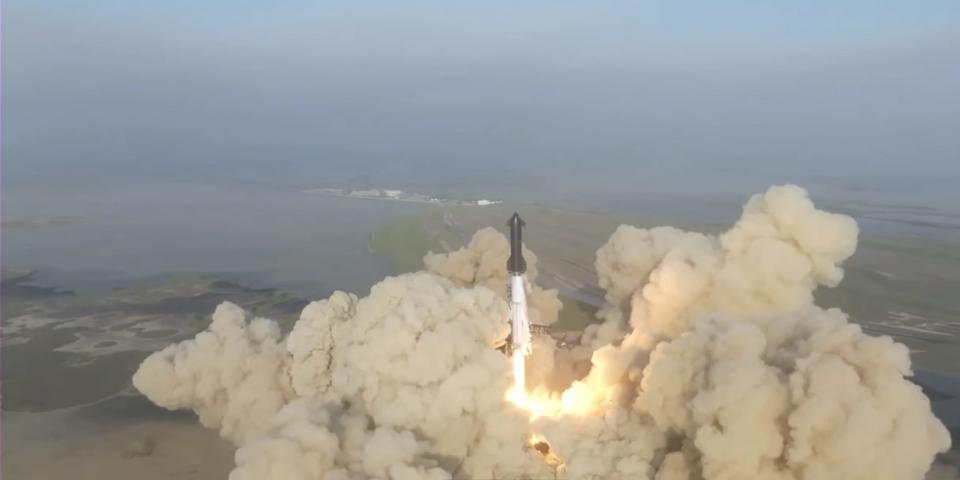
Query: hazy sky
308	91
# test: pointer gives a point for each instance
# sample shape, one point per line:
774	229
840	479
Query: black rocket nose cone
516	264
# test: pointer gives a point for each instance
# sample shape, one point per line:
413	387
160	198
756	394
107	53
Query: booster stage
519	321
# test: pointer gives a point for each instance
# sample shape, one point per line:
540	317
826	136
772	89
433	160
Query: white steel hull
520	344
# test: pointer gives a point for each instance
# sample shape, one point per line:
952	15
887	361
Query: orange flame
579	399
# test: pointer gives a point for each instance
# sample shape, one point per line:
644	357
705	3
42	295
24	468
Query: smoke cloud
709	360
483	263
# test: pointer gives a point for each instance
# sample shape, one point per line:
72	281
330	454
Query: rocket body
520	340
519	323
519	331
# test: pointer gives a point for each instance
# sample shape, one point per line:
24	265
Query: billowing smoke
404	383
710	360
483	263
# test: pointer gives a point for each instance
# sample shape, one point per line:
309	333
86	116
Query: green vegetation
405	241
575	316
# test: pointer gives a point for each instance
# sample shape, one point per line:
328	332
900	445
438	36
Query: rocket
519	322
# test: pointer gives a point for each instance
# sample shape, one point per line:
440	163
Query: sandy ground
100	441
69	408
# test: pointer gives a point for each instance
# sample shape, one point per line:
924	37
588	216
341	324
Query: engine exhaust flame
518	360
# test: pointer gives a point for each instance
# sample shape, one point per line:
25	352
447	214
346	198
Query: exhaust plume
709	360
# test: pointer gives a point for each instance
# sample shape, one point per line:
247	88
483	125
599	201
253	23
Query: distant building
485	202
367	193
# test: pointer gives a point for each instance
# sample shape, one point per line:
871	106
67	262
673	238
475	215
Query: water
112	234
81	239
